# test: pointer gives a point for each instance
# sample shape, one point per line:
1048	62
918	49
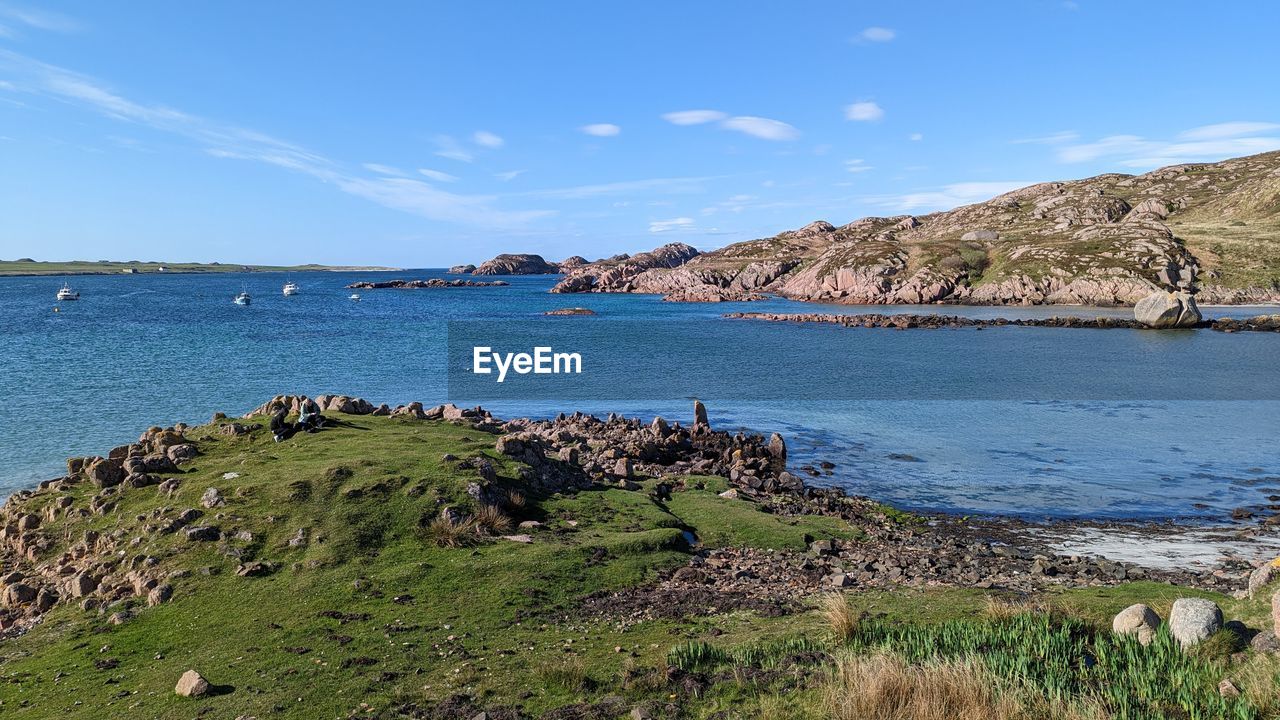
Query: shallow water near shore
157	349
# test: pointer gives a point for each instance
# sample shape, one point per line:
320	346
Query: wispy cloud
1228	130
437	175
672	186
875	35
448	147
37	19
1200	144
763	128
857	166
661	226
694	117
232	142
915	137
759	127
484	138
385	170
865	111
1058	138
946	197
601	129
509	175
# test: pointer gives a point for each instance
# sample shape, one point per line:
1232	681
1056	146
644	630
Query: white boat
243	298
354	296
291	288
66	293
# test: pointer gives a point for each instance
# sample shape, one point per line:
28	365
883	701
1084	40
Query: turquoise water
1037	422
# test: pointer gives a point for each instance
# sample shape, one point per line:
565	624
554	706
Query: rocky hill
1107	240
516	264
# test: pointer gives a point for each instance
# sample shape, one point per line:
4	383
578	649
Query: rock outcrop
1167	310
424	284
516	264
618	274
462	269
1108	240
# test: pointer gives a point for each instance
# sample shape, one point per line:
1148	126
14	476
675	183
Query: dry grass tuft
516	501
883	687
841	617
569	674
998	608
490	520
444	531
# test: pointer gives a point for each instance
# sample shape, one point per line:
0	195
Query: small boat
66	293
243	298
291	288
354	296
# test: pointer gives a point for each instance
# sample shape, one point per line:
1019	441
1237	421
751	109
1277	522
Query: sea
1030	422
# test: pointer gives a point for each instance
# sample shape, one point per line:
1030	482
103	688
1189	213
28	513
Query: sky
424	134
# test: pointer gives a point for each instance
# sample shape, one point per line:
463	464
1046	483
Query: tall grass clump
840	615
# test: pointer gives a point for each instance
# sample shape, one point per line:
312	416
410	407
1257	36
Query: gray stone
700	414
980	236
1137	620
1163	310
1193	620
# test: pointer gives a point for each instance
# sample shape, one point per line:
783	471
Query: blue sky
424	134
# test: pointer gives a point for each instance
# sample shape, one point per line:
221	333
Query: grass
387	602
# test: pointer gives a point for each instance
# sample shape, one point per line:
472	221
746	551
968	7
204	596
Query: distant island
28	266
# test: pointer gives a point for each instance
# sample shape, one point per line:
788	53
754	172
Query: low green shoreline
439	563
28	267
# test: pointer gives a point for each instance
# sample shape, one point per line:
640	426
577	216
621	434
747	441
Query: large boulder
1263	576
1137	620
1167	310
516	264
105	472
1193	620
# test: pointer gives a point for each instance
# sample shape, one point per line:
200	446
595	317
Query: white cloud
385	170
487	139
763	128
1200	144
601	129
437	175
857	166
694	117
232	142
947	197
448	147
1058	138
680	223
875	35
915	137
863	112
1228	130
509	175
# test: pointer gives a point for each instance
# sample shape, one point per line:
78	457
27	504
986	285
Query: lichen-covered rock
516	264
1194	620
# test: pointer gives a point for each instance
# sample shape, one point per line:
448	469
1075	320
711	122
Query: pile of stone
616	449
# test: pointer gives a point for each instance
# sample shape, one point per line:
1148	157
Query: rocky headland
1211	229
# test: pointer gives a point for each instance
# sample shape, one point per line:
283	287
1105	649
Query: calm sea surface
1030	421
